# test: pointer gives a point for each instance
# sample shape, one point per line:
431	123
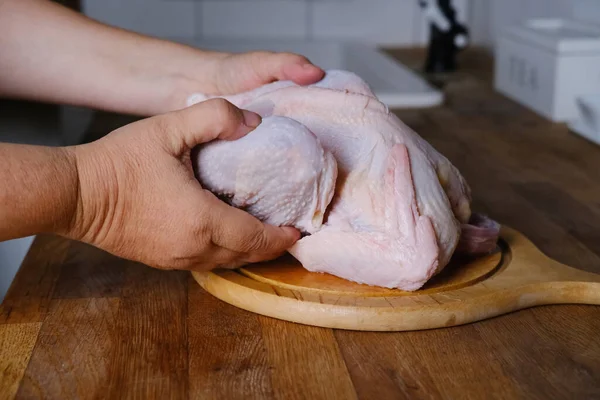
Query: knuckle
223	110
202	235
179	255
225	115
171	122
256	241
185	250
168	129
161	125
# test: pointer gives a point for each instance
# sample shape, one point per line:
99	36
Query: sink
395	84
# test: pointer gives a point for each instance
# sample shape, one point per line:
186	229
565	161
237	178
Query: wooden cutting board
516	276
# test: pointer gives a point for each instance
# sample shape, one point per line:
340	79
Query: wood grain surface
78	323
516	276
287	273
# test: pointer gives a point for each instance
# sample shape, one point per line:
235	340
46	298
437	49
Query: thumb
213	119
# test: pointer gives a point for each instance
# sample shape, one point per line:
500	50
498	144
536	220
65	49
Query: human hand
139	198
245	71
216	73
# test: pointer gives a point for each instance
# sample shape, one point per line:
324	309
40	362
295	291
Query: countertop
79	323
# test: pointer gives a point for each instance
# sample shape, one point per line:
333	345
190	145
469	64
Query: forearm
38	191
52	54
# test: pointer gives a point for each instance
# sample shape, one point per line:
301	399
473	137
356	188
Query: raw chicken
399	206
278	172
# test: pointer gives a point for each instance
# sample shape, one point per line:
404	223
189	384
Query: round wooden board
286	272
517	275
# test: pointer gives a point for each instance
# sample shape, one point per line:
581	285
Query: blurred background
390	23
359	35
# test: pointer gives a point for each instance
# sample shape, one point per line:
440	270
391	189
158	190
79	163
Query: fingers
238	231
216	118
287	66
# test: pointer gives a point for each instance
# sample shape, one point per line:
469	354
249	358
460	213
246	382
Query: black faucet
447	36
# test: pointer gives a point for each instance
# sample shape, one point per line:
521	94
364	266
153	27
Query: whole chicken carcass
388	212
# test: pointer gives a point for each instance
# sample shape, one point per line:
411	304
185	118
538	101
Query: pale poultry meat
279	173
379	204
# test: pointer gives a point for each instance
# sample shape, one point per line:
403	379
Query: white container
545	64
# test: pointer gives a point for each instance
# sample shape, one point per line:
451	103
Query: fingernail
251	120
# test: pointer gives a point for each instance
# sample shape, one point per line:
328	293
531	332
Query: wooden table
78	323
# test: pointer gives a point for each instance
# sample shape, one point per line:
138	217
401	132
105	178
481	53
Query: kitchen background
388	23
382	22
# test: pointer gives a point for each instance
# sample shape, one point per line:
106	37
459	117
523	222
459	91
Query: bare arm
52	54
38	191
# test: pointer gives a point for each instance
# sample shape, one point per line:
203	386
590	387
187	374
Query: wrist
65	187
193	71
91	179
161	75
39	191
65	225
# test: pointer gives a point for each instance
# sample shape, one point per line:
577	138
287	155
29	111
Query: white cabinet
546	64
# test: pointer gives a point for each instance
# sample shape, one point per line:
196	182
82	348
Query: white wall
488	17
587	10
382	22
